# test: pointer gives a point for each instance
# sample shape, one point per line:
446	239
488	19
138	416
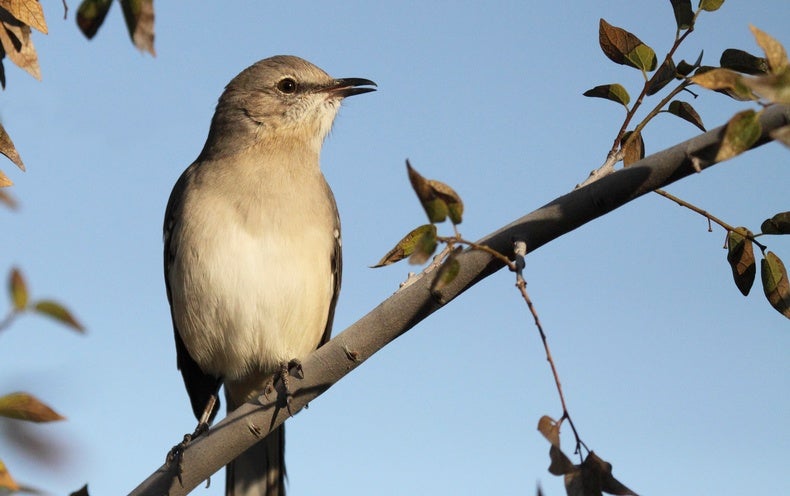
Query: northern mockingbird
252	247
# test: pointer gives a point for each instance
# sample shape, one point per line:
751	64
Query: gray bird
252	247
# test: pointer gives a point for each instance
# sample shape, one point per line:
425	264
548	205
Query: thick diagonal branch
404	309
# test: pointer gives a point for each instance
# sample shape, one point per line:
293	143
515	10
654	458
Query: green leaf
741	133
744	62
448	271
58	312
642	57
740	255
686	112
710	5
425	247
684	16
665	74
775	283
624	48
407	245
437	198
90	16
778	224
634	148
23	406
614	92
18	290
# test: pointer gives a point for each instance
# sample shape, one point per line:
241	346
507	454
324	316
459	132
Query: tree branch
410	305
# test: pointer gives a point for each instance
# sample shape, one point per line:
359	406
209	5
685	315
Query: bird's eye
287	85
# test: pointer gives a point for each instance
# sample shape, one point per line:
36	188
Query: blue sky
670	374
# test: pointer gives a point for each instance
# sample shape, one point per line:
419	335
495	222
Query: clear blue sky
670	374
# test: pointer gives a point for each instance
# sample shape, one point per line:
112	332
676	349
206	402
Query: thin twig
709	216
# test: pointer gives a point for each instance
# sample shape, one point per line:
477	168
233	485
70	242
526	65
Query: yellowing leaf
740	255
774	51
18	290
8	149
447	272
741	133
58	312
4	181
6	481
775	283
550	430
90	16
6	199
772	87
642	57
686	112
139	17
455	207
614	92
710	5
23	406
407	245
425	247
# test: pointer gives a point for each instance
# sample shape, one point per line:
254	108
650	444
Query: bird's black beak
351	86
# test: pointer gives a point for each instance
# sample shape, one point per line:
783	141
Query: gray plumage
252	246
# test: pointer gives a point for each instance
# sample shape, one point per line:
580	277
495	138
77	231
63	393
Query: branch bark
410	305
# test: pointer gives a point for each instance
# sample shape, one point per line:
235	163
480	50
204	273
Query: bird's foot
175	455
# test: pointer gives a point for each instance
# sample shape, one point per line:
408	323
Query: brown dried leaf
742	131
139	17
774	51
437	198
23	406
8	149
27	11
18	290
560	463
772	87
634	148
6	481
775	283
740	255
598	473
550	430
58	312
6	198
18	45
4	181
406	246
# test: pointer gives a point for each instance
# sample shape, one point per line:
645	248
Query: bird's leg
176	452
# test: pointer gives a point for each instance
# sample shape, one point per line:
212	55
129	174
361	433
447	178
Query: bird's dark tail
259	471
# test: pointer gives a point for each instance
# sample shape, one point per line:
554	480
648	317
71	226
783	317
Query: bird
252	247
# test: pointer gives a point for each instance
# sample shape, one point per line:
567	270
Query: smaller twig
6	322
65	10
707	215
520	249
